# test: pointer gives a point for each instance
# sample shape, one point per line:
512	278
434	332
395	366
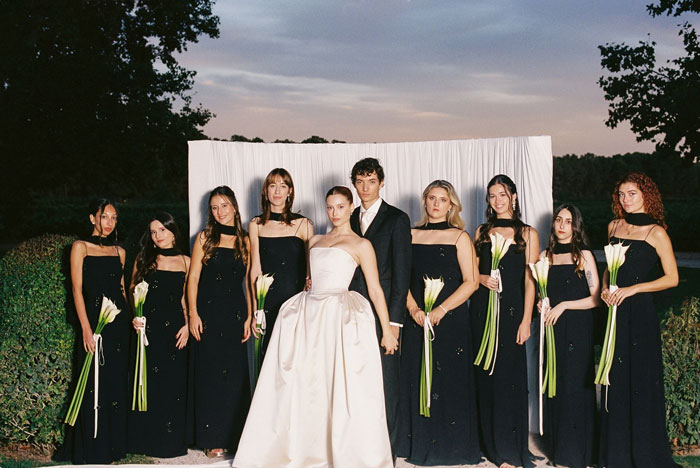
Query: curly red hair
653	205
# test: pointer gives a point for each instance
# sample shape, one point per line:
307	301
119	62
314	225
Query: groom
389	231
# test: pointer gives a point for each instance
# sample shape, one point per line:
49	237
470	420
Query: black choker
275	216
504	222
103	241
562	248
435	226
640	219
228	230
171	252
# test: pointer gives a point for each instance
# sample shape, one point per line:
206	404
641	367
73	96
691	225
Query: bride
319	401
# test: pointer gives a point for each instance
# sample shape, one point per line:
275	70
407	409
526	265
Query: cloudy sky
414	70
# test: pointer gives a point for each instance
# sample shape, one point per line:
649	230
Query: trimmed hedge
36	341
680	337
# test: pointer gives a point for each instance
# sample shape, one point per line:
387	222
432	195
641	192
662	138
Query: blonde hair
453	217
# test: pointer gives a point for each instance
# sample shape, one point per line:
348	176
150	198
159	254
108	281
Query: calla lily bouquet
615	257
540	272
140	368
489	340
262	286
431	293
108	311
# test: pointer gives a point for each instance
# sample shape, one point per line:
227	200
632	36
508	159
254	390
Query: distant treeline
593	177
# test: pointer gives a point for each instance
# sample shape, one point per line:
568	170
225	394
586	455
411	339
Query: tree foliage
659	102
93	99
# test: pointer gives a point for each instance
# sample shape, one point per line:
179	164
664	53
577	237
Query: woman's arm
591	272
122	259
532	249
368	263
192	286
467	266
77	257
184	333
251	296
307	234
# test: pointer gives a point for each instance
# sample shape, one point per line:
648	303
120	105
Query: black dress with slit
221	382
161	431
502	398
569	417
633	428
102	276
450	435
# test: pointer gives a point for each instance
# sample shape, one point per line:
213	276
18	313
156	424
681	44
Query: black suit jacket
390	235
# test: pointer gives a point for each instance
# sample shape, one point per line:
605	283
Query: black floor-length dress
161	431
633	429
285	258
570	416
102	276
221	383
450	435
502	402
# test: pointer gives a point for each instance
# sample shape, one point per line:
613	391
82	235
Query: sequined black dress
633	429
220	363
502	397
569	420
450	436
102	275
161	431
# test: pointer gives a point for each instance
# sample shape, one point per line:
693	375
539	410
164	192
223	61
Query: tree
93	99
315	139
660	103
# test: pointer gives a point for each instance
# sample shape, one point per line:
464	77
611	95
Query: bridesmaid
574	291
440	249
633	428
161	431
278	240
97	269
218	322
502	396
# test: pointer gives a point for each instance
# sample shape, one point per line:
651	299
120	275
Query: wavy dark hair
518	226
212	232
265	201
365	167
579	240
653	205
148	252
98	205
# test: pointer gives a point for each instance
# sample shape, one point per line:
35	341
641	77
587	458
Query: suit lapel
377	221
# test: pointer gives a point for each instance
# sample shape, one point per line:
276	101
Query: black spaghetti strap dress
502	398
633	429
285	258
450	435
220	362
102	276
161	431
570	415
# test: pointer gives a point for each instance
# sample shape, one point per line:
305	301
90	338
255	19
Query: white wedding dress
319	401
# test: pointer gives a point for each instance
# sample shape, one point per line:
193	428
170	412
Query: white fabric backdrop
408	167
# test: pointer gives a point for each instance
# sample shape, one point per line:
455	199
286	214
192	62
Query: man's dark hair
365	167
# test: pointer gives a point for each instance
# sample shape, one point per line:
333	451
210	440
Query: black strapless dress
633	430
220	362
102	276
502	397
450	436
570	415
161	431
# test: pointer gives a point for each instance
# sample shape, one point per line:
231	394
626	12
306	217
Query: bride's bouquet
489	340
540	271
107	313
262	286
432	290
615	257
140	368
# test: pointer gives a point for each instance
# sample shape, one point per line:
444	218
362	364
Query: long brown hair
212	232
265	201
579	241
148	253
491	216
653	205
